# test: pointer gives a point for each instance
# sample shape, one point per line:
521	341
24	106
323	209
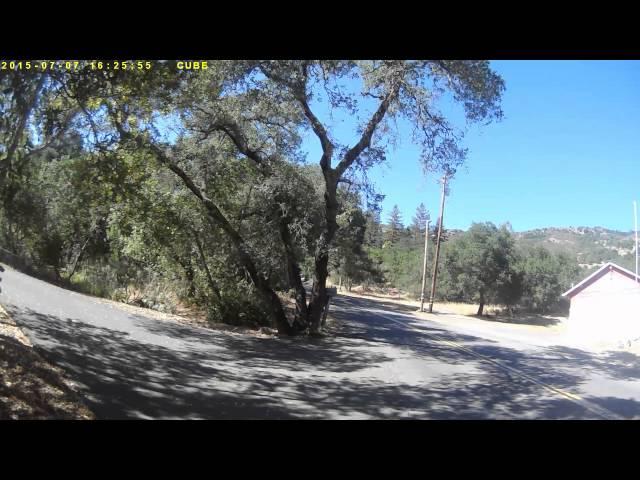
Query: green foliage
350	262
419	223
195	183
478	266
395	228
589	246
373	232
546	276
486	263
401	266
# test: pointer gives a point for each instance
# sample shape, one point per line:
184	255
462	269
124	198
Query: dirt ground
187	315
492	312
540	326
30	387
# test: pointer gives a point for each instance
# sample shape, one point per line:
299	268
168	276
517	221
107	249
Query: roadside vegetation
183	190
165	187
486	265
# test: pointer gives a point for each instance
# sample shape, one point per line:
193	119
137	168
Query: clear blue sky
567	152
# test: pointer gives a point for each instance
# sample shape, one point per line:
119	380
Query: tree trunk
293	274
189	274
263	288
481	306
212	285
319	294
79	256
76	262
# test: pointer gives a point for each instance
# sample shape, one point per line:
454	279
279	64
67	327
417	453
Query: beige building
605	306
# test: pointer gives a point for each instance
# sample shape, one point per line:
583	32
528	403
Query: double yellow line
590	406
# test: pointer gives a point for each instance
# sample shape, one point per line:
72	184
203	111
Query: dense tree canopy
480	266
164	176
545	277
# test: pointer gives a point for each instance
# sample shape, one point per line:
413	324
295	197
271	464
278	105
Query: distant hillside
591	246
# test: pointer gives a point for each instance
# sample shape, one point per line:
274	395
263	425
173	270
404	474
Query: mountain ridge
592	247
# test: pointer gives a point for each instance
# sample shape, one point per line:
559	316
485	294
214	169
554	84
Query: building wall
608	309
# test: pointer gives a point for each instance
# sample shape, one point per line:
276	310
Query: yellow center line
598	410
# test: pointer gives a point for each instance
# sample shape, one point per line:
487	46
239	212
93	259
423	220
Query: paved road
382	363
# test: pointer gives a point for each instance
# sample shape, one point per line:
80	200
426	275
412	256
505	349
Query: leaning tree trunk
264	290
203	259
481	306
261	284
78	258
76	262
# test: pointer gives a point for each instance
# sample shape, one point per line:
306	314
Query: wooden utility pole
435	262
424	266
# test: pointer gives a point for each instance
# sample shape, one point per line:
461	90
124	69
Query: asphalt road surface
380	362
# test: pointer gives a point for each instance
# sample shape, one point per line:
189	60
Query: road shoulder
32	388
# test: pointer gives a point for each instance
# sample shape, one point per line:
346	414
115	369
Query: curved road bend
382	363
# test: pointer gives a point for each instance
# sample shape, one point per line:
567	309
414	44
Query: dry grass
469	309
187	315
396	296
493	313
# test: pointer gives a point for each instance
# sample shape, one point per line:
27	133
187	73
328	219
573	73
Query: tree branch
259	281
299	93
232	130
22	123
365	140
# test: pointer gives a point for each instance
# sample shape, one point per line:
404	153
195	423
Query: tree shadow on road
233	376
184	372
558	366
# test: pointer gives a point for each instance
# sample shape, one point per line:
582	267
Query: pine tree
373	232
419	222
395	225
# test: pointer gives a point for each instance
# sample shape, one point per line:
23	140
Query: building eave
594	276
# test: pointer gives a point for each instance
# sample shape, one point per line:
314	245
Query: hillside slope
590	246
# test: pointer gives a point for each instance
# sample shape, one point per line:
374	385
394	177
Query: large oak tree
253	114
